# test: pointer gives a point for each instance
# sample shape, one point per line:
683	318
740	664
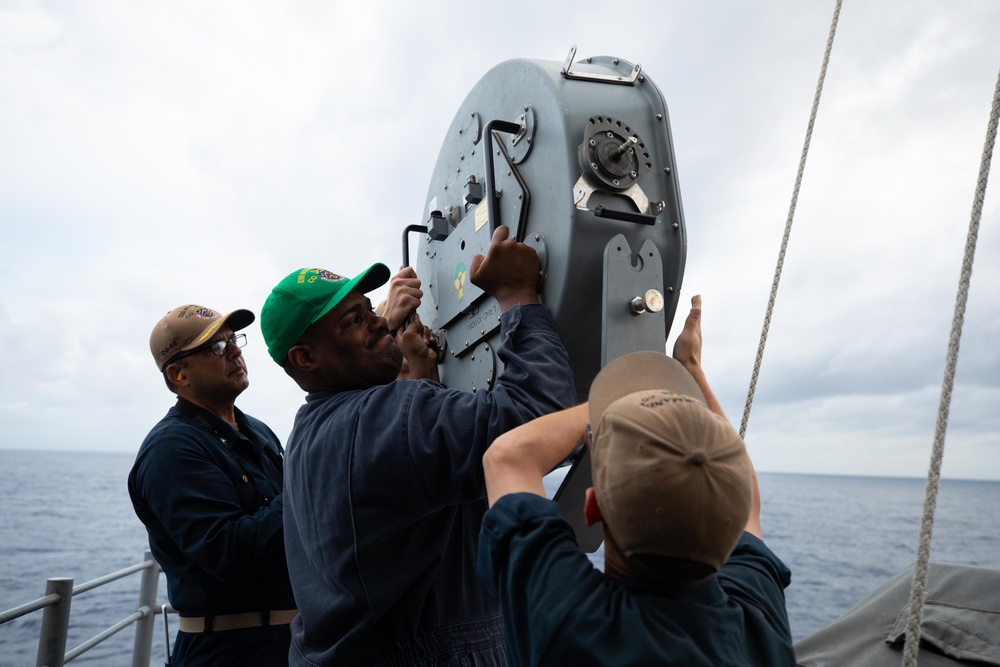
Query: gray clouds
154	155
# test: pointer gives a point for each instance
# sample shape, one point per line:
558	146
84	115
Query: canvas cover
960	625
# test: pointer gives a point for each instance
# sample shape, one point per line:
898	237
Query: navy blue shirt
559	610
211	500
384	494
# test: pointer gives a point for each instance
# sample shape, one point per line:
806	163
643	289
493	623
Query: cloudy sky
155	154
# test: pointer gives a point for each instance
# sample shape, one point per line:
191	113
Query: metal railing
59	593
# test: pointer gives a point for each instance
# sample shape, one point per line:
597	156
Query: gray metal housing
580	161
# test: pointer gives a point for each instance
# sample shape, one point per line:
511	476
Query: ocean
67	514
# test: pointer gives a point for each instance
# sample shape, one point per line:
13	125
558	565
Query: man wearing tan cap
687	578
385	484
207	484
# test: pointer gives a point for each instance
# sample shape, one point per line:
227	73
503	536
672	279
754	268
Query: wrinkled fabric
958	625
559	610
384	495
211	500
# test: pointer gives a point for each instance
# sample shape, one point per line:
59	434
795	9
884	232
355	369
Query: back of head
672	478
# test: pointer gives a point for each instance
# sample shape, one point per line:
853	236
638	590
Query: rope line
788	222
918	593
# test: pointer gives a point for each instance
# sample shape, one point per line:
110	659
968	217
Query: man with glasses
207	484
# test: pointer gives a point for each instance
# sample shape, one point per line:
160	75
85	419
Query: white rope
788	222
918	593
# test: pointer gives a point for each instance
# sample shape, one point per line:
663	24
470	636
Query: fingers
405	272
477	261
415	326
500	235
423	336
404	297
406	277
419	347
694	315
687	347
509	272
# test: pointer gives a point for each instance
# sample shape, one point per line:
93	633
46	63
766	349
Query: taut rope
788	222
918	593
920	571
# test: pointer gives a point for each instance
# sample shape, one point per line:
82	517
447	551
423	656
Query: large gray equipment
576	158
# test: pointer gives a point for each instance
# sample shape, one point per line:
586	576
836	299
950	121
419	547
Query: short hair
670	571
675	572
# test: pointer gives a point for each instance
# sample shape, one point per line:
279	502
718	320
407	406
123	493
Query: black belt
249	619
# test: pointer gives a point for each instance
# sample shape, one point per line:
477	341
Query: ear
591	512
176	375
301	357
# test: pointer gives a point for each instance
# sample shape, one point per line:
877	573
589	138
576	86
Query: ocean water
67	514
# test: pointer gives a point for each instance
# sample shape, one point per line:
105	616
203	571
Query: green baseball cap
303	297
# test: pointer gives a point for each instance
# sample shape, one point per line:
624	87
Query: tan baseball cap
186	327
671	477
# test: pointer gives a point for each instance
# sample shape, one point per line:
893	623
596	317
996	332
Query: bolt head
653	300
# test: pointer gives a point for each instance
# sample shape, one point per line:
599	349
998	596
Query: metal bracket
625	276
537	241
520	143
583	190
603	78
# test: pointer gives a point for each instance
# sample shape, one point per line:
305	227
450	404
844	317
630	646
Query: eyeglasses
218	348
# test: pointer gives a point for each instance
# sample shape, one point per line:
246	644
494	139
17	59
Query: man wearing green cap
384	483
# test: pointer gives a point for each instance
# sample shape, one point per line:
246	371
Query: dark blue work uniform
559	610
384	494
211	500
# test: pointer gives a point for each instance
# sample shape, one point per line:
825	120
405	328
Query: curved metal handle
491	193
406	241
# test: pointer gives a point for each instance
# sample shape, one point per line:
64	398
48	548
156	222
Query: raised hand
403	299
509	272
420	351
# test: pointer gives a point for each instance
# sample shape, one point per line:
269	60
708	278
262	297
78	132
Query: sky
156	154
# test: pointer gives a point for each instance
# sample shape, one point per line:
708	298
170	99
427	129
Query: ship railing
59	593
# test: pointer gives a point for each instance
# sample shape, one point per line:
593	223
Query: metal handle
491	194
406	241
569	73
166	632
